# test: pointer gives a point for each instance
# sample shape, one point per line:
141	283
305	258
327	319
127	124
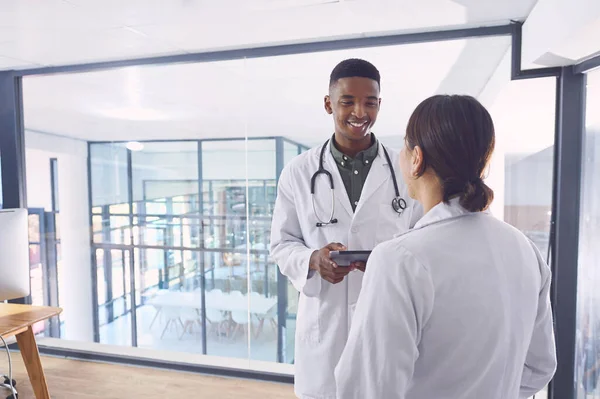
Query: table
18	320
223	302
255	304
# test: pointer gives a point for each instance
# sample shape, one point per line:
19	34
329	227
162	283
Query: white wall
560	32
75	283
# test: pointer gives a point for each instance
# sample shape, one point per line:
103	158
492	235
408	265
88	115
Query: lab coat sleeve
287	244
540	363
394	305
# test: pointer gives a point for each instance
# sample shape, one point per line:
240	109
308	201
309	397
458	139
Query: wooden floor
72	379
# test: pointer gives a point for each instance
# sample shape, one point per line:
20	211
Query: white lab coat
457	308
324	309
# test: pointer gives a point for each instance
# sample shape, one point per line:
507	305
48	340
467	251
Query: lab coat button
354	230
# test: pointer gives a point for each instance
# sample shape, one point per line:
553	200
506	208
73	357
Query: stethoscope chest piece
399	205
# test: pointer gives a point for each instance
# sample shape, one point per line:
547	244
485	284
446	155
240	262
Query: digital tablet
345	258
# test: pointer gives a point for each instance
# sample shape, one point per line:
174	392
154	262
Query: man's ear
327	103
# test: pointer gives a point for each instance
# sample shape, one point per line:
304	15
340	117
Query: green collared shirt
354	171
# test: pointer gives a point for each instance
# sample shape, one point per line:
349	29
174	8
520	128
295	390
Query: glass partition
587	362
521	172
170	180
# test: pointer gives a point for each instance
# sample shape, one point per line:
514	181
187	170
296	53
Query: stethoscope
398	203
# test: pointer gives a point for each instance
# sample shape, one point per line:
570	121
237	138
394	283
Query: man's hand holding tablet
353	259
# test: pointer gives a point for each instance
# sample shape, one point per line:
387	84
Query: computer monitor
14	254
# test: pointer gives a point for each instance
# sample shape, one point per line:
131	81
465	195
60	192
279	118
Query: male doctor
351	210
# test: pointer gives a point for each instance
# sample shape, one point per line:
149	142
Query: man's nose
359	111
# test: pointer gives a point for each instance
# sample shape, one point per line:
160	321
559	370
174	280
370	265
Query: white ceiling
274	96
582	45
57	32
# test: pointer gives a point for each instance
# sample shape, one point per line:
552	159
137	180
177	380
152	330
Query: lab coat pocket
390	223
307	321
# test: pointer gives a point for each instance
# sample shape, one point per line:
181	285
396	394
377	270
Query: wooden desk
18	320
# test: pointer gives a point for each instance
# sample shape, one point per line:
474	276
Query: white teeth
358	124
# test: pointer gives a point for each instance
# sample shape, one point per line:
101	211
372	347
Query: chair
173	317
190	317
240	318
271	315
213	316
216	319
5	381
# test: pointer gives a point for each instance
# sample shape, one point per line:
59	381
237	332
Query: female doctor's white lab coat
324	309
457	308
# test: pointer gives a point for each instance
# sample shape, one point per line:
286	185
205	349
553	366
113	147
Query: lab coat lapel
378	174
339	189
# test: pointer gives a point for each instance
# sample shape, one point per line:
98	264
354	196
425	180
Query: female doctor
348	192
459	306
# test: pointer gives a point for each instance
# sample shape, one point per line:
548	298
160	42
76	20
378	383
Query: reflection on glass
522	165
588	297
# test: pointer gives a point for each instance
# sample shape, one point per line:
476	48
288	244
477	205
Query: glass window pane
225	208
34	228
165	171
165	183
101	279
588	300
521	171
289	152
522	165
37	275
45	159
117	285
109	176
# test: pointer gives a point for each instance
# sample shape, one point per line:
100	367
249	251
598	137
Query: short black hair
354	68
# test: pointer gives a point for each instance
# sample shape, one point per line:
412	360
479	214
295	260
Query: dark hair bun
456	135
476	196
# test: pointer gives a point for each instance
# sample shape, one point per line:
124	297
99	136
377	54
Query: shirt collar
442	211
366	157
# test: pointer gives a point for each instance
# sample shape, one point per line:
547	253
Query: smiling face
354	103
